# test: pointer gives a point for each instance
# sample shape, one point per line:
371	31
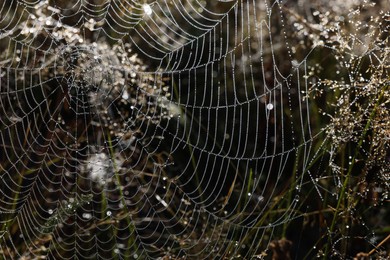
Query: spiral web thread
134	129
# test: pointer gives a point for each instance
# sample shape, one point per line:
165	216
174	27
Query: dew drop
147	9
87	215
125	95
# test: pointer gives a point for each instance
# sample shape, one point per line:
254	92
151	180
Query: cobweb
151	129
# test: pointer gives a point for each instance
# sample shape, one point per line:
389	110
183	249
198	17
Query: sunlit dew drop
50	211
87	215
109	213
147	9
125	95
270	106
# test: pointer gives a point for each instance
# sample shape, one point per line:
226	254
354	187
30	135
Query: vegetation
104	151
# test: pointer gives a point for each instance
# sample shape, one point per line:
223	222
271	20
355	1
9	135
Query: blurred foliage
329	202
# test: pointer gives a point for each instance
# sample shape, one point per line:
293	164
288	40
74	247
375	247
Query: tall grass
327	197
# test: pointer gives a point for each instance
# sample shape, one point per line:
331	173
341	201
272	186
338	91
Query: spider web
144	130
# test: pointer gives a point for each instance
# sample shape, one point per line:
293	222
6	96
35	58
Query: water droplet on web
125	95
147	9
270	106
295	63
109	213
87	215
